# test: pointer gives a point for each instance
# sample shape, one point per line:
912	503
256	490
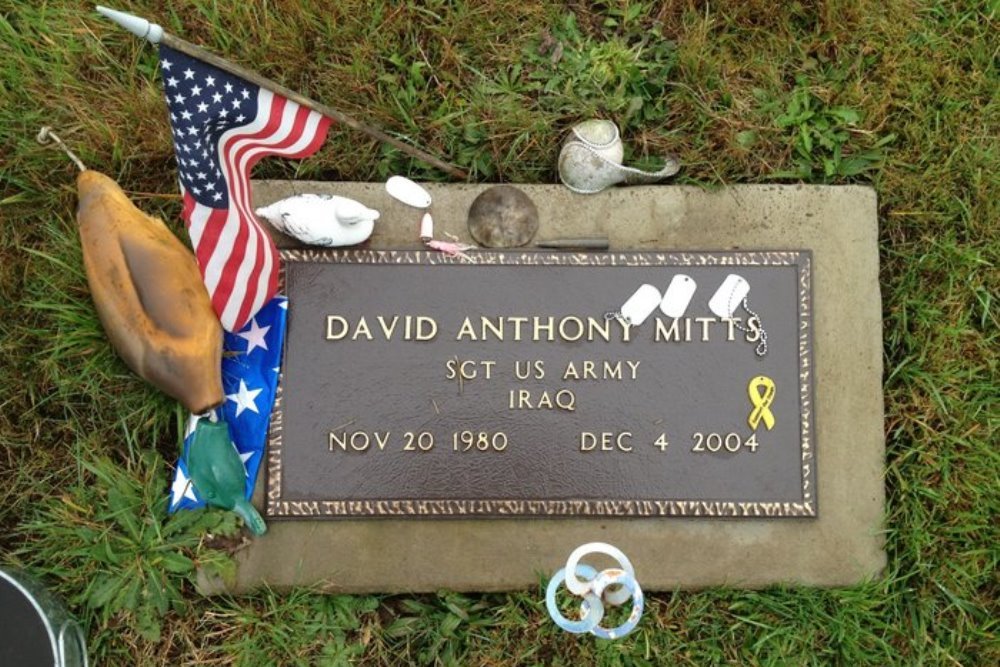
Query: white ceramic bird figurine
324	220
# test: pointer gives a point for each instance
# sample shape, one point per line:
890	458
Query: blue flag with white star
251	360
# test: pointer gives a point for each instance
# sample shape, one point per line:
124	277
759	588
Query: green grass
899	94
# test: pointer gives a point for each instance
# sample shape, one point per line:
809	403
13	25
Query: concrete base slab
843	546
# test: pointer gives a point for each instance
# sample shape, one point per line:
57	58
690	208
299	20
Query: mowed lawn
899	94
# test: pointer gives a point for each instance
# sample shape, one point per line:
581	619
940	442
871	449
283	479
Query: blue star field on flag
204	103
251	362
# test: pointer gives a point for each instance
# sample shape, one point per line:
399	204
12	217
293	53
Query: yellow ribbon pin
761	402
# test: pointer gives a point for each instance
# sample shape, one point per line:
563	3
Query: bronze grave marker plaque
417	385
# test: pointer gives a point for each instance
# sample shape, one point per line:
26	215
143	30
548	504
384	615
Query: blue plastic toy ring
614	597
591	611
628	582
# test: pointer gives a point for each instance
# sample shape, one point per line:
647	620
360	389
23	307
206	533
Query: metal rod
45	135
595	243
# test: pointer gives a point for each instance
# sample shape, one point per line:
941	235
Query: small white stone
408	192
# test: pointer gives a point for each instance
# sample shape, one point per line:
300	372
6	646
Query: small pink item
450	248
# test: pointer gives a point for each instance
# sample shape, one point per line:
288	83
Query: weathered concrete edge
860	557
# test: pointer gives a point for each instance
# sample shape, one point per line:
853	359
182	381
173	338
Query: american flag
222	125
250	365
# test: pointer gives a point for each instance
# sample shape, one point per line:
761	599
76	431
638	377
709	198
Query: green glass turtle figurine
218	474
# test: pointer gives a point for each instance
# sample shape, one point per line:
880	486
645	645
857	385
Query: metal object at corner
67	645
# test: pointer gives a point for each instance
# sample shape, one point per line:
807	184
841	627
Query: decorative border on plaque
500	508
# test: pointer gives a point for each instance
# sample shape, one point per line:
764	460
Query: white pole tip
137	26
